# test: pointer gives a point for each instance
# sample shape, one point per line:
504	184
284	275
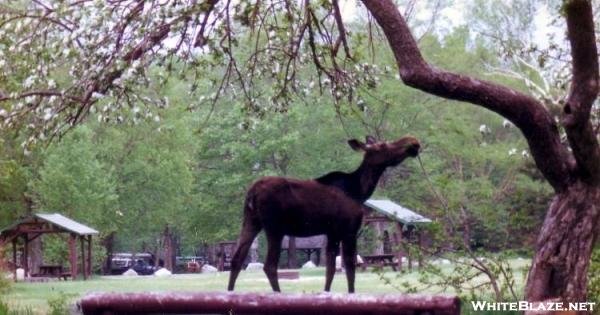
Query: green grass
36	295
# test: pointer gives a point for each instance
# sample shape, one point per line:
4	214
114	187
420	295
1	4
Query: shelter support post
408	255
420	242
83	260
73	255
399	246
26	254
14	258
89	256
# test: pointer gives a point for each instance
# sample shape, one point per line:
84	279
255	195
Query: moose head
386	154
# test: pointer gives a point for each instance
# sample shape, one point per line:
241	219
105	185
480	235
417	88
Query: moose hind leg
274	248
249	232
333	246
349	257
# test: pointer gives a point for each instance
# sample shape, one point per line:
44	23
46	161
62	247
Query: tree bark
36	254
108	243
292	257
564	245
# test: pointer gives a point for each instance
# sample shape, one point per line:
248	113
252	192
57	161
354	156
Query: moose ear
370	139
356	145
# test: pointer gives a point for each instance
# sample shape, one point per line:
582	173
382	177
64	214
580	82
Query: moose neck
365	180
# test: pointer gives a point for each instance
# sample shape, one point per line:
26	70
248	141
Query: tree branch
584	90
341	29
531	117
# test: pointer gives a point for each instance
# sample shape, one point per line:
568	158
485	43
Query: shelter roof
57	220
396	211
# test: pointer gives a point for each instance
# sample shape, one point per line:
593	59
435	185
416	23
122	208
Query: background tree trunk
36	255
108	242
292	257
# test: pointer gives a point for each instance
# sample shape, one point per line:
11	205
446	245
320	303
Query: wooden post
83	265
399	253
408	238
14	249
89	256
221	266
420	242
73	255
26	254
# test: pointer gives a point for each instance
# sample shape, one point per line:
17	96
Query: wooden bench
65	275
52	271
386	260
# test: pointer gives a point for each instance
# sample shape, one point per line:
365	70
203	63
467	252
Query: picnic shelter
21	233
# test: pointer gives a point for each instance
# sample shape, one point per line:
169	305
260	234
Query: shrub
4	281
59	305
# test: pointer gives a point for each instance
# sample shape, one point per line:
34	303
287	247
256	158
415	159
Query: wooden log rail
266	303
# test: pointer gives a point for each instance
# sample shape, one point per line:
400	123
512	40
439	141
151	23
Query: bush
59	304
4	281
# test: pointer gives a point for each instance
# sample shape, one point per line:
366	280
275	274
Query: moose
330	205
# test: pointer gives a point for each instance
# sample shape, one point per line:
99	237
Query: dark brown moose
330	205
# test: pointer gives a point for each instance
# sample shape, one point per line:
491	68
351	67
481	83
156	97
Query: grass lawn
36	295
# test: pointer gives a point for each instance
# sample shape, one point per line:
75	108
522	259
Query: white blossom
506	123
29	82
48	116
97	95
484	129
525	154
512	151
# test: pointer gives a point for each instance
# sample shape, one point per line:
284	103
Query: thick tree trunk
292	258
564	246
36	255
108	243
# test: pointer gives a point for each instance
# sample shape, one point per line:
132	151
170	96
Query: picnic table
379	260
53	271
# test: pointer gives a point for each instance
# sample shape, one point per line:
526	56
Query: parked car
143	268
120	262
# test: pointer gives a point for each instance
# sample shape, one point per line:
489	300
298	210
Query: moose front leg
349	257
274	247
333	246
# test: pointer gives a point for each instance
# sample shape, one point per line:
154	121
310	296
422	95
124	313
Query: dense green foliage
189	169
